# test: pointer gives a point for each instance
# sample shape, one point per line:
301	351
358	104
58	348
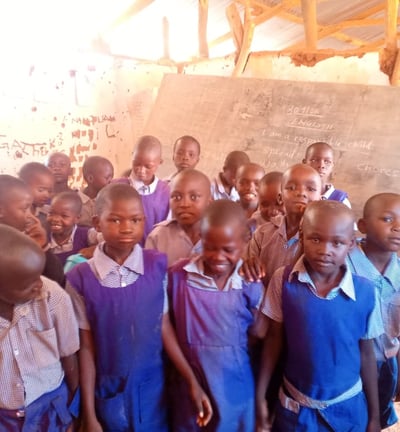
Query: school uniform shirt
387	286
328	195
41	332
111	275
270	244
218	191
170	238
88	209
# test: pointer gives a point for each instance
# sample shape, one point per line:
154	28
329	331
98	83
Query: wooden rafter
309	11
235	23
203	18
132	10
166	51
395	77
391	13
248	33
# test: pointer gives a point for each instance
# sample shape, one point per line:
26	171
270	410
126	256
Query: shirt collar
195	269
281	223
53	244
346	284
233	195
141	187
84	198
104	265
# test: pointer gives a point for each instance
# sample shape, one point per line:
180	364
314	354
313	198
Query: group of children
192	298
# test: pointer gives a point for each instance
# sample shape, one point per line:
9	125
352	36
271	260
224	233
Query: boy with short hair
97	172
15	211
186	154
40	181
276	243
154	192
39	341
320	156
326	315
179	237
375	258
120	301
223	186
60	165
212	309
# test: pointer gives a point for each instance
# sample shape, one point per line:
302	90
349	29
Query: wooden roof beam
245	48
235	23
392	9
203	19
136	7
395	77
309	11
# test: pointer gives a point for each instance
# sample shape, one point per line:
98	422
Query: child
376	259
212	309
40	181
66	237
276	243
97	172
154	192
247	181
60	165
186	154
320	156
326	315
15	211
270	204
38	343
223	186
119	298
179	237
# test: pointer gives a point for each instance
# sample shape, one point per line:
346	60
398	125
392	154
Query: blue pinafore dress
126	327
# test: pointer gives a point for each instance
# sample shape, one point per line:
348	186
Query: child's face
62	217
60	166
382	225
122	225
42	189
247	184
229	174
222	248
327	241
269	203
102	175
189	199
15	210
321	159
144	165
298	189
186	154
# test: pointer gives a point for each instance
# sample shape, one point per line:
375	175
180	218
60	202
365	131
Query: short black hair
28	171
91	163
187	138
115	191
72	197
8	184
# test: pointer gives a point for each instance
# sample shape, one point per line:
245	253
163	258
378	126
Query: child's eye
194	197
137	220
315	240
115	220
311	189
176	197
387	219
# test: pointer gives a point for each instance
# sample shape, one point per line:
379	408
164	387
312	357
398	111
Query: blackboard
275	120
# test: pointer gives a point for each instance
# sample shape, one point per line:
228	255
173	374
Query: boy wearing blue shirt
375	258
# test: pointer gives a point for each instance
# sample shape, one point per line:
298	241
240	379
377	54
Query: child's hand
88	252
373	426
35	231
91	425
203	405
252	269
263	424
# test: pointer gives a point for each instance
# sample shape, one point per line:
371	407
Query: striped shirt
111	275
41	332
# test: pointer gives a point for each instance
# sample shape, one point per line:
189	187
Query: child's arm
397	398
87	373
174	352
369	376
71	371
271	351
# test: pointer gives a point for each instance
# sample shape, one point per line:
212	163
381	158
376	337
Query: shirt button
123	284
16	352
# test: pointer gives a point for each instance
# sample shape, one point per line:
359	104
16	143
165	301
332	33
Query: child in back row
38	343
60	165
154	192
212	310
120	300
319	155
327	316
40	182
97	172
375	258
223	186
276	243
186	154
66	236
179	237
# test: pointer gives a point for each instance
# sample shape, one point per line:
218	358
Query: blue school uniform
79	241
386	347
126	327
211	327
323	356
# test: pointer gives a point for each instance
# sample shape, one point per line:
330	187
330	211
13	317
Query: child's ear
353	242
304	161
361	225
279	199
89	178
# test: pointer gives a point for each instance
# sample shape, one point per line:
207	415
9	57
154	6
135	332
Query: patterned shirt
218	191
142	188
41	332
387	286
68	245
88	209
111	275
170	238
